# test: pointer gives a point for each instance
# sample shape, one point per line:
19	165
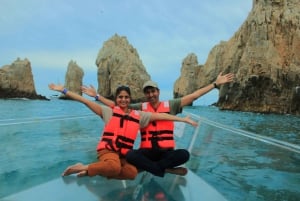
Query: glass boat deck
225	164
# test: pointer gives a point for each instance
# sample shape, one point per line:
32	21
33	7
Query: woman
121	127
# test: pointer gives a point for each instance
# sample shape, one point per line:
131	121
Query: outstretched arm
221	79
169	117
91	91
90	104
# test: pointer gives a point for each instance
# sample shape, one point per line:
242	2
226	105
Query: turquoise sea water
39	139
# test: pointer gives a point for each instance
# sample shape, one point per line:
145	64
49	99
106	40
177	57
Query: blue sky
50	33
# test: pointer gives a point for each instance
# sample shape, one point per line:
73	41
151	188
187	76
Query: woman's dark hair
122	88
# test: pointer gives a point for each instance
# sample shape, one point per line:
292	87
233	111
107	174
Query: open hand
56	87
190	121
90	91
222	79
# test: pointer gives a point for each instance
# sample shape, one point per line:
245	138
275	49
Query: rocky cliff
119	64
265	56
16	81
73	79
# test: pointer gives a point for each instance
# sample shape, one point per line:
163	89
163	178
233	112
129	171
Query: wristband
97	97
64	91
215	85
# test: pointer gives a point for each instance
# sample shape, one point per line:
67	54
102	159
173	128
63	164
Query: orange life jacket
158	134
120	132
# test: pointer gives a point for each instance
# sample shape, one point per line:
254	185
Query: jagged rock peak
118	63
16	81
187	82
73	78
264	55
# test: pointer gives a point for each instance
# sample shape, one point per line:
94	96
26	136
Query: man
157	153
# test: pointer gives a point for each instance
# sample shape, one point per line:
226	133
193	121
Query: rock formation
189	75
265	56
73	79
119	64
16	81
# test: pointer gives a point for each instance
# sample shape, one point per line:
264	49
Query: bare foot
77	168
177	170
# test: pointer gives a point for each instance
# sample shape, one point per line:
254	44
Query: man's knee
182	155
186	154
